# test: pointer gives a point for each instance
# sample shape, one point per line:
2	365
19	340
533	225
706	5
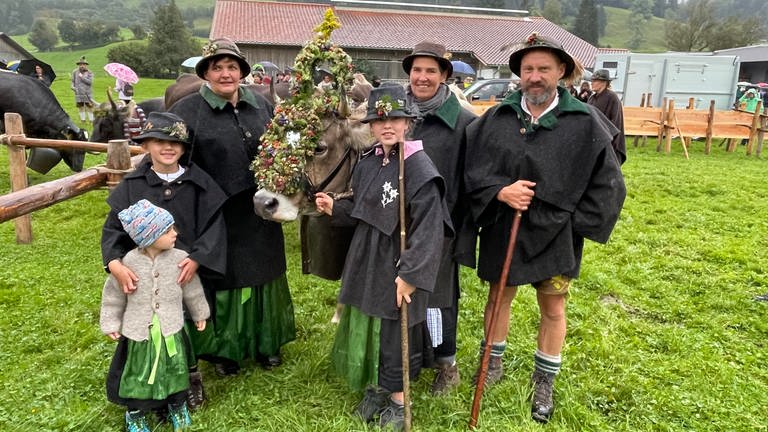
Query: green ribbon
245	294
156	336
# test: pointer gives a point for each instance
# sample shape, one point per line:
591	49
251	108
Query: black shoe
374	401
392	417
196	392
227	368
543	404
269	362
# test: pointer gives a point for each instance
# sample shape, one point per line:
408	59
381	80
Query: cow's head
327	167
109	120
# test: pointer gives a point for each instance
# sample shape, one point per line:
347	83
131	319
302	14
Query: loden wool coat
579	188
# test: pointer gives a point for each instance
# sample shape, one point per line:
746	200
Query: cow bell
42	159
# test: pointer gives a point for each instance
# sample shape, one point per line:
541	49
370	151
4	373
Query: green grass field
618	33
663	332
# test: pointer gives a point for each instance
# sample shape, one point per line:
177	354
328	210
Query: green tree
16	16
68	31
138	31
735	32
585	25
134	54
170	42
640	12
690	33
43	36
553	11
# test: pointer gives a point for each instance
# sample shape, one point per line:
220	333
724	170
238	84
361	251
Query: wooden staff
497	289
404	306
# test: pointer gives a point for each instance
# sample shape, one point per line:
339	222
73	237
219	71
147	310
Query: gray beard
537	100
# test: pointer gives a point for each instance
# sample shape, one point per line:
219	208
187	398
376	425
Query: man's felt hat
387	101
164	126
222	47
537	42
430	49
82	61
602	75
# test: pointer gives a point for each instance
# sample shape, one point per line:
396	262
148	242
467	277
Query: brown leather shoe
447	378
196	392
543	403
495	372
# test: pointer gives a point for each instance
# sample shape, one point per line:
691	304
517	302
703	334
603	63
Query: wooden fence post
662	125
760	134
17	161
118	158
755	127
668	124
687	140
710	126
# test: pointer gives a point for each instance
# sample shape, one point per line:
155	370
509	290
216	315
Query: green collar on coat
218	102
566	103
449	111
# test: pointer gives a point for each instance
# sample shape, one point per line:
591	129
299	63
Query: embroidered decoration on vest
388	195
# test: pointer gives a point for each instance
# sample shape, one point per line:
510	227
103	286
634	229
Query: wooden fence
24	200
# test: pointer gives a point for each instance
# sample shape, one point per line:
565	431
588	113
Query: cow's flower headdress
293	134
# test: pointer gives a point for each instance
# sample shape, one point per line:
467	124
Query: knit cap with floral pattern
145	222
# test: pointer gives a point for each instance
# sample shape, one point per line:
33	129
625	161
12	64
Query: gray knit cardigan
157	292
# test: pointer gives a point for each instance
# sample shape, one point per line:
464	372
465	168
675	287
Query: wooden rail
23	199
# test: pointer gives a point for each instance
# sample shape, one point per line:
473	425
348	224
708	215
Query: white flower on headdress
209	49
293	137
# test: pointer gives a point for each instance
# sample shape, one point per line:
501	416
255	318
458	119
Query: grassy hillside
618	33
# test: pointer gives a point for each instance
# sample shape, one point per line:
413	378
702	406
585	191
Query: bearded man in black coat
545	153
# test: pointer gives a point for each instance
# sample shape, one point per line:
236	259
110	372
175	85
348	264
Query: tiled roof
291	24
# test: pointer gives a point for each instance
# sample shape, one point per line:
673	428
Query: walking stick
405	357
497	289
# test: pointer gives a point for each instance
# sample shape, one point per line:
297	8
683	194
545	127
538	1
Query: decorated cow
43	117
311	145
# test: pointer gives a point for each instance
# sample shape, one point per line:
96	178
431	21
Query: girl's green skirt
355	354
247	323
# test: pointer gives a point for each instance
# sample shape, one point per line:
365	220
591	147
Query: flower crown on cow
292	135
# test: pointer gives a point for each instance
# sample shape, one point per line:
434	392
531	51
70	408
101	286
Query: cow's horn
111	101
343	105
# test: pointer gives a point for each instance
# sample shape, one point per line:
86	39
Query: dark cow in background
43	117
110	117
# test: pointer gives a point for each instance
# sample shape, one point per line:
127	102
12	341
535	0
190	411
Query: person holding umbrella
39	74
82	85
378	277
542	152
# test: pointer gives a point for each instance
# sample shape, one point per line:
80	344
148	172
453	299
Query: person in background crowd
608	102
39	74
749	100
440	124
82	85
544	153
584	92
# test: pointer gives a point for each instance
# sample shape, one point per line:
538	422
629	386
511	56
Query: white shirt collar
524	106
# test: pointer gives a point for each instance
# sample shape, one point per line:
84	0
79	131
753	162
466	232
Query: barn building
381	36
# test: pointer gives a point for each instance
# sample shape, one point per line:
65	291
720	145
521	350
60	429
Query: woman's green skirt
248	323
355	354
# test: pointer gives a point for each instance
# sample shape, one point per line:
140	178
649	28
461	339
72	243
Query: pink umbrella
762	84
122	72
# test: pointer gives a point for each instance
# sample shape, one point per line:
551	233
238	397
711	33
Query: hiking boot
179	417
374	401
270	362
447	378
495	372
392	417
542	405
227	368
136	421
196	392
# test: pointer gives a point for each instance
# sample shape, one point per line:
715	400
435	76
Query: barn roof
747	54
11	50
291	24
